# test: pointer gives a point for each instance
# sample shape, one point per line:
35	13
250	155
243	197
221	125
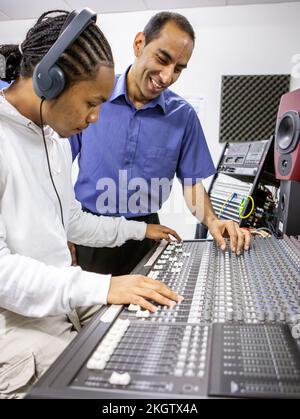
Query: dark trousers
118	260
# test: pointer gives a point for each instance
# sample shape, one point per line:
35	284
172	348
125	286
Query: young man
36	279
147	132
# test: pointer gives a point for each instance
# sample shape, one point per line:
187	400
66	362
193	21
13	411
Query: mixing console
230	336
261	286
254	361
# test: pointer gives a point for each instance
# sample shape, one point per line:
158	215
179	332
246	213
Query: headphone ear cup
56	79
58	82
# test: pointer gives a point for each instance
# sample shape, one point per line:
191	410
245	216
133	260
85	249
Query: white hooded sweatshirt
36	278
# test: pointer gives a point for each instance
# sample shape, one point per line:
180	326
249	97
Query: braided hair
81	60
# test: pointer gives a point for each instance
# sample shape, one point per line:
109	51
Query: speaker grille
249	106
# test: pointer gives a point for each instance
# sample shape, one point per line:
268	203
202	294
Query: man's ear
139	44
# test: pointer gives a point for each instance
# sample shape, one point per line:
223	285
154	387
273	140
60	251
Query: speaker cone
287	134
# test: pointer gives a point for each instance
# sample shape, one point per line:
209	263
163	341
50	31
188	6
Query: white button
120	379
143	313
134	307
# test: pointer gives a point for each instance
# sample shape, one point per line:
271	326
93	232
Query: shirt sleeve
195	162
94	231
33	289
75	143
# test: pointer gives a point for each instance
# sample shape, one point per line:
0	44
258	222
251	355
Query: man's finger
161	288
247	239
241	240
146	305
221	242
165	236
155	296
230	226
173	233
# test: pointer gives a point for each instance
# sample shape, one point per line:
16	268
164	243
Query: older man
147	132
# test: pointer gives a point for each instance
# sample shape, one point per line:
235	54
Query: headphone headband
47	73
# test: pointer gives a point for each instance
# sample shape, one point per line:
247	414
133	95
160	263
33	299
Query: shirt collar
120	89
12	114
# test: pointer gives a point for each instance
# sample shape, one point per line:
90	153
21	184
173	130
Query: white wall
254	39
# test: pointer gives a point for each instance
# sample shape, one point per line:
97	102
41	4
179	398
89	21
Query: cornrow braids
80	61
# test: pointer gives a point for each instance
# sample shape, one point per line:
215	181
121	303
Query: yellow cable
243	217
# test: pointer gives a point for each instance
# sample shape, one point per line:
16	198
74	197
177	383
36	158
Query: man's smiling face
159	64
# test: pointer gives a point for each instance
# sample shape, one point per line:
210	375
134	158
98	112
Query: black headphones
48	78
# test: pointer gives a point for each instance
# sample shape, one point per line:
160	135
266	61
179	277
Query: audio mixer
231	336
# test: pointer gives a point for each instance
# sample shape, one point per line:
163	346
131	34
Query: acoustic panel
249	106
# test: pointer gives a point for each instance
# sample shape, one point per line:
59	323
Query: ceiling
31	9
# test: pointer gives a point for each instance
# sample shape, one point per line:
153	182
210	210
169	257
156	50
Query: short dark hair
158	21
80	61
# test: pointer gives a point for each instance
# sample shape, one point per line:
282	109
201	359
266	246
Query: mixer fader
230	336
261	286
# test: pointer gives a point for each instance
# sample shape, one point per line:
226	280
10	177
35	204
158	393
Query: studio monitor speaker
287	138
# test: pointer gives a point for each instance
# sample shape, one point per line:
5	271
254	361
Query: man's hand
137	289
239	239
72	249
158	232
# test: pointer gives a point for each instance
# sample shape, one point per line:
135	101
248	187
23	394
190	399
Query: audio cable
244	205
227	203
48	162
